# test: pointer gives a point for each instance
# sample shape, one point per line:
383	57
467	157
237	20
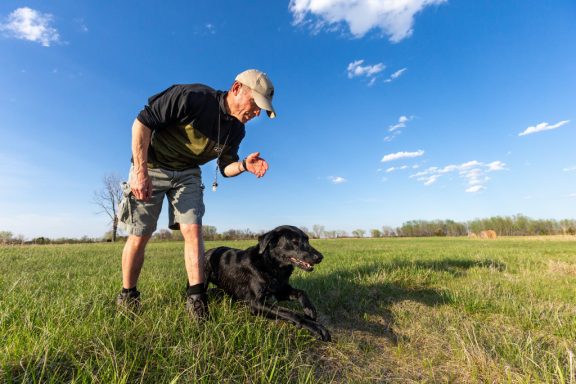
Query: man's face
246	108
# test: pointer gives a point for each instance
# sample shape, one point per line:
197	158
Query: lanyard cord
218	150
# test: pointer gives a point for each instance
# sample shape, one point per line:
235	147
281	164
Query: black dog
260	274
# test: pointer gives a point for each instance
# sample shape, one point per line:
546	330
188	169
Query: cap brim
262	102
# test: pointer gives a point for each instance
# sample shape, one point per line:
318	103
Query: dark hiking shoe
128	300
197	306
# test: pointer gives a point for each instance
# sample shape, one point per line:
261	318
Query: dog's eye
295	241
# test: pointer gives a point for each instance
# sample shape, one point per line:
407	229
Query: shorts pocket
125	206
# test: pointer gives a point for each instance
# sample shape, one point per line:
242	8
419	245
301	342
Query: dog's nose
318	256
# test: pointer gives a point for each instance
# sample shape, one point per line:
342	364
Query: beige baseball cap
262	89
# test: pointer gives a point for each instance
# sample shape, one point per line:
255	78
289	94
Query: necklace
218	149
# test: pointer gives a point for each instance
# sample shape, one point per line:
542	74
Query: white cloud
474	172
570	169
402	155
572	195
402	120
28	24
337	179
398	73
394	18
392	136
396	129
356	69
542	127
431	179
395	75
394	169
496	166
475	188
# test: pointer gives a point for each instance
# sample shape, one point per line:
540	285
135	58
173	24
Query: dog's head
289	246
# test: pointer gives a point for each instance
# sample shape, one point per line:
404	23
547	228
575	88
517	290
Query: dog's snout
316	256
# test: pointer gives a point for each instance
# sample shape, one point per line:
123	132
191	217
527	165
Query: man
180	129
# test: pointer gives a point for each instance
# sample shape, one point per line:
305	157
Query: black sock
129	290
195	289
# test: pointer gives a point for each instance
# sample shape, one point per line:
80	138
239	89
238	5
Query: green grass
438	310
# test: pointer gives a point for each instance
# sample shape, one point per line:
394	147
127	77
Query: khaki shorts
185	194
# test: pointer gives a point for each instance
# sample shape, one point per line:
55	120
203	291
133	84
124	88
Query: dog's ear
264	240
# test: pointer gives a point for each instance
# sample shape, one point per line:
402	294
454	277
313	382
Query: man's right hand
141	187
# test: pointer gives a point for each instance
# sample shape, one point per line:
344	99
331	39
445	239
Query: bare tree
108	199
318	230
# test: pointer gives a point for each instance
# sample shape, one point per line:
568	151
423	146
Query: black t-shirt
189	124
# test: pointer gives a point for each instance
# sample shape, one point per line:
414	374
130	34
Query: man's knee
191	232
137	242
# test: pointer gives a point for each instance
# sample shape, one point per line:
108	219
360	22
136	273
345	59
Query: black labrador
259	275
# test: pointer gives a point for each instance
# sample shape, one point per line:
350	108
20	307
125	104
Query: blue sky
388	111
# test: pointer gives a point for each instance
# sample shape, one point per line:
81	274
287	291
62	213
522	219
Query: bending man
180	129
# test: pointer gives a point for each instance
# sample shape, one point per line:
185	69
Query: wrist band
244	165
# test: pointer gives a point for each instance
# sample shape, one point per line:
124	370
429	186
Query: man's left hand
256	165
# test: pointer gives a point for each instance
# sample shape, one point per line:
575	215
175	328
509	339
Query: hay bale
488	234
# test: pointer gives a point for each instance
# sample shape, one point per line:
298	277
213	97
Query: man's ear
236	88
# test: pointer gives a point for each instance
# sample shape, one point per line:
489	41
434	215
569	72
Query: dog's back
233	270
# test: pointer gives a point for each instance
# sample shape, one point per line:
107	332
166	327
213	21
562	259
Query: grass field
435	310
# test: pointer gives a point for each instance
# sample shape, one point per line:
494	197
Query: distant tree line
8	238
518	225
209	233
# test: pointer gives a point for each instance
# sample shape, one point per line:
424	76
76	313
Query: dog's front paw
310	313
323	333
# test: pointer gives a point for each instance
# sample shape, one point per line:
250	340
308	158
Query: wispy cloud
356	69
81	24
474	172
542	127
210	28
402	120
401	168
570	169
395	75
206	29
396	129
28	24
337	179
402	155
394	18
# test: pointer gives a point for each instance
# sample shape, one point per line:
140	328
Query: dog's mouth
301	264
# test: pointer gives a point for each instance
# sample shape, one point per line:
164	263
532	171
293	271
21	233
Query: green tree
209	232
5	237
